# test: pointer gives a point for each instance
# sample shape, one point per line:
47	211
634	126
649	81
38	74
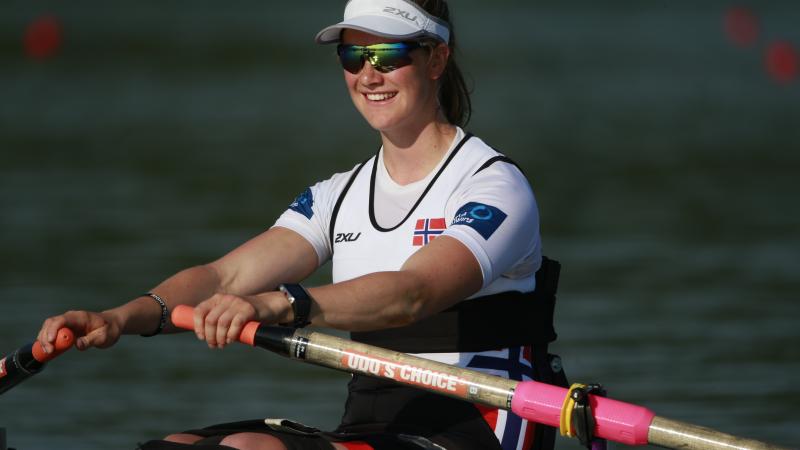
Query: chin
380	122
382	118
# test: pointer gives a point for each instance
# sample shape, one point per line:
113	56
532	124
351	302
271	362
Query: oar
538	402
30	359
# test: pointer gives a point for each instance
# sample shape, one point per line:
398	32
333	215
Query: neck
411	156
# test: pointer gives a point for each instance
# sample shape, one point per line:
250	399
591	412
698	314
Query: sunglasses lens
351	57
388	57
383	57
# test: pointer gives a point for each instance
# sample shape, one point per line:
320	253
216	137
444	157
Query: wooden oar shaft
680	435
341	354
348	356
539	402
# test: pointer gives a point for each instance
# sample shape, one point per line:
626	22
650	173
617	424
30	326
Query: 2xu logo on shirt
406	374
346	237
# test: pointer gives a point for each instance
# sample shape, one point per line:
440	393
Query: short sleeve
309	214
495	215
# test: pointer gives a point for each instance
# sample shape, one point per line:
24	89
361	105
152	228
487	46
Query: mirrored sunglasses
383	57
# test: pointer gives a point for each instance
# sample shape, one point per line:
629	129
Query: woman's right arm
276	256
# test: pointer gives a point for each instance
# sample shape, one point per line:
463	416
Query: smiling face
403	100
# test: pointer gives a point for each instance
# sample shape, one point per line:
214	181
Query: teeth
381	96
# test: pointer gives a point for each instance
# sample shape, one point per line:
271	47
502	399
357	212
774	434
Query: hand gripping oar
538	402
30	359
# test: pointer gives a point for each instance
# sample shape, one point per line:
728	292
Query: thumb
96	338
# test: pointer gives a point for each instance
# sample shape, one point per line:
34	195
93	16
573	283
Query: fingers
102	337
92	329
237	324
200	312
96	336
211	327
47	334
77	321
220	319
223	325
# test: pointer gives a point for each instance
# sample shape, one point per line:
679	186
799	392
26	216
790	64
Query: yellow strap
566	411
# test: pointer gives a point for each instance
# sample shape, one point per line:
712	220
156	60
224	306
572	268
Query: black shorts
379	414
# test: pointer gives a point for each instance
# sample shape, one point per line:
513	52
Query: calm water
664	159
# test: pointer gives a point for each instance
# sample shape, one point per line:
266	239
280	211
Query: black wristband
164	314
300	300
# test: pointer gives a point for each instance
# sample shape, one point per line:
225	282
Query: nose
368	75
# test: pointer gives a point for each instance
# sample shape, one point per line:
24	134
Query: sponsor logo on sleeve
485	219
303	204
427	230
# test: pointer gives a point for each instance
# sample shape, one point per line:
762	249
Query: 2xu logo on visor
407	374
485	219
399	12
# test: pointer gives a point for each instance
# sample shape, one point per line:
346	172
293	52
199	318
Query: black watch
301	303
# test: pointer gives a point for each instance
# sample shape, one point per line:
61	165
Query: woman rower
434	242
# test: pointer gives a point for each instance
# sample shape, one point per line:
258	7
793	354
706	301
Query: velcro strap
485	323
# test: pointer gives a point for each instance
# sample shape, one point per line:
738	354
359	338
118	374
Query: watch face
300	301
293	292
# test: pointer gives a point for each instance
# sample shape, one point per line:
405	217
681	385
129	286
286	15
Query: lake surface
665	161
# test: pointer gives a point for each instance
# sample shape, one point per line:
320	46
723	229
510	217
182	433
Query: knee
253	441
183	438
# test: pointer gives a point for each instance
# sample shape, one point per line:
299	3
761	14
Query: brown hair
453	91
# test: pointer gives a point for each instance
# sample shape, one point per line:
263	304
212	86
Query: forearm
436	277
383	300
374	301
188	287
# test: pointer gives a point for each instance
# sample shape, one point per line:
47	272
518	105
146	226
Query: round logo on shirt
481	212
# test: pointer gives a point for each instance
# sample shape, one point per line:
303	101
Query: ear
438	61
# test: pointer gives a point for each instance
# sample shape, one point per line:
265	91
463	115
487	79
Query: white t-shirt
491	210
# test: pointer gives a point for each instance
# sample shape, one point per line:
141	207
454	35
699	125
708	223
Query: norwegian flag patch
427	230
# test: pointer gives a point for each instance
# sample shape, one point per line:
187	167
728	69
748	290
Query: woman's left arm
434	278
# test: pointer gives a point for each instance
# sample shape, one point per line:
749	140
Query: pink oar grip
183	317
616	421
64	340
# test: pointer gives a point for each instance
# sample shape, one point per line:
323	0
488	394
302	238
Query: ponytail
454	95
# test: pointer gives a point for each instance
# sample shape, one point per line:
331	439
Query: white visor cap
393	19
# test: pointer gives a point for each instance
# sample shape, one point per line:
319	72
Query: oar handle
65	338
30	359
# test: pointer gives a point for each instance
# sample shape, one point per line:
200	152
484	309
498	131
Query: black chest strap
485	323
339	200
